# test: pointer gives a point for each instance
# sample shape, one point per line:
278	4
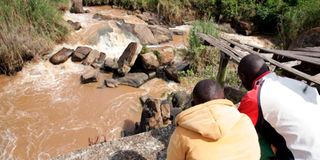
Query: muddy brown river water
46	112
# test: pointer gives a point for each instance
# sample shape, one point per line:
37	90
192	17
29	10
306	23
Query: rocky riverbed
115	75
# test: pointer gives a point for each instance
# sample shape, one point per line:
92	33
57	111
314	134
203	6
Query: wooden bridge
231	50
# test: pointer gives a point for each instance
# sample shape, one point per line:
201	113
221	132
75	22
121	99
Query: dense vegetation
28	28
285	18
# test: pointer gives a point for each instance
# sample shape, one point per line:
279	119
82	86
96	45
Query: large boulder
161	34
144	34
77	6
133	79
80	53
155	114
310	38
89	76
128	57
92	57
75	25
150	61
61	56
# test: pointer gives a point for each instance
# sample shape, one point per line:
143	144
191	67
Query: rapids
45	111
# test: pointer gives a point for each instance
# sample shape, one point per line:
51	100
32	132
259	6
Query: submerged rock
80	53
61	56
111	83
128	57
75	25
133	79
89	76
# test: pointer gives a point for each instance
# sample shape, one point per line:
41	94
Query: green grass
28	28
205	60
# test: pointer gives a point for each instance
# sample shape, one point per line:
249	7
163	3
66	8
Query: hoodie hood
212	119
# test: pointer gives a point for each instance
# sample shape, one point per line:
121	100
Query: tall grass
28	28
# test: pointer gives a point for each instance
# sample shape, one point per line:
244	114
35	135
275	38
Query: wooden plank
278	64
213	42
291	54
308	49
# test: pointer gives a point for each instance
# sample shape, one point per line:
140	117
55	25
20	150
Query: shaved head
207	90
250	68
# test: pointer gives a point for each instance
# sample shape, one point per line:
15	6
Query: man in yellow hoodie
213	129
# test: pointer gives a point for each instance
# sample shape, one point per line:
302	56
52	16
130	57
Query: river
46	112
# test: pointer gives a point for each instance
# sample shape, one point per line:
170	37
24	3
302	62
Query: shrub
28	28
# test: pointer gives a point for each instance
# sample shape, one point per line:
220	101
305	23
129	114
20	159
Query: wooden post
224	60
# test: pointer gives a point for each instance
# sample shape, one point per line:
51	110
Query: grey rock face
80	53
148	145
61	56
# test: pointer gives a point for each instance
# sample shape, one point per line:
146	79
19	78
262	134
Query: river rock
172	74
89	76
99	62
77	6
149	17
80	53
243	27
128	57
155	114
110	64
181	99
177	31
111	83
133	79
92	57
144	34
61	56
310	38
75	25
101	17
160	33
166	56
150	61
